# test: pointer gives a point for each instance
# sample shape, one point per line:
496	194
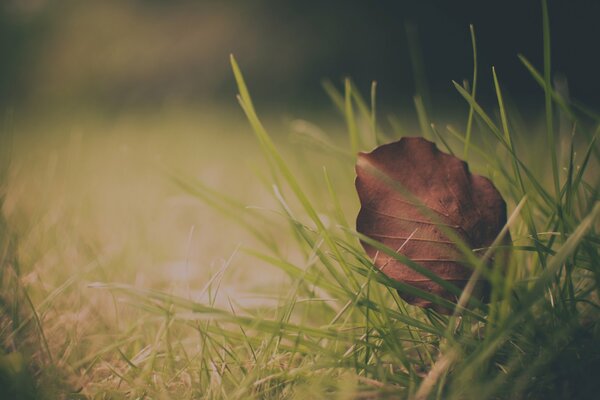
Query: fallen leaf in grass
413	197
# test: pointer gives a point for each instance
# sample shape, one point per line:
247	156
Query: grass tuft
319	320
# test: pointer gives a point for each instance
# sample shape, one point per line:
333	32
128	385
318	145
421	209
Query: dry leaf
419	188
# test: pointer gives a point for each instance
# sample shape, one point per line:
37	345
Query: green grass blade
355	143
548	98
336	97
473	92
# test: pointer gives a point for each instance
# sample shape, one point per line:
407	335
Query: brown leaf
416	194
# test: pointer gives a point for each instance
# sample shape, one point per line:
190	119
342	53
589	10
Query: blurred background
105	104
98	98
114	55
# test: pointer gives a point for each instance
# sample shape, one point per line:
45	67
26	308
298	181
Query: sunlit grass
176	256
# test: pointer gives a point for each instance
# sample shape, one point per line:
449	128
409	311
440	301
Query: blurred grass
88	200
232	269
196	308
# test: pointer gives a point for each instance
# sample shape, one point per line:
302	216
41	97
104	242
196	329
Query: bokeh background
114	55
98	98
106	104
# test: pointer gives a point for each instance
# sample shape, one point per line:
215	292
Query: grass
265	291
